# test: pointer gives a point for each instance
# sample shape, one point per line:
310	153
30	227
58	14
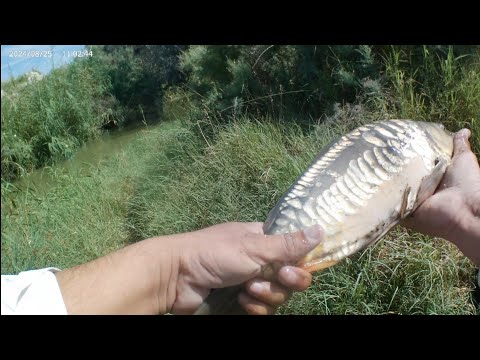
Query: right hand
453	212
235	253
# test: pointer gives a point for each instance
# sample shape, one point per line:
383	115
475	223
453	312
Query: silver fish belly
358	188
362	185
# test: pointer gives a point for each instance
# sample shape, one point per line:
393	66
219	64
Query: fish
358	188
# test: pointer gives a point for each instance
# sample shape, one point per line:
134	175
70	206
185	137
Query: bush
46	121
277	79
139	76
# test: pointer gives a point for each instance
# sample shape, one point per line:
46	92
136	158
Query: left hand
453	212
234	253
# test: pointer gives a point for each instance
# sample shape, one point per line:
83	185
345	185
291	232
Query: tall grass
48	120
443	88
199	169
78	217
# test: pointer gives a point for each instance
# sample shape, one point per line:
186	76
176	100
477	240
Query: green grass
440	90
402	274
164	183
194	171
79	217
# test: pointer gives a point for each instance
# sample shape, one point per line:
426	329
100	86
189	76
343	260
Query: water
90	155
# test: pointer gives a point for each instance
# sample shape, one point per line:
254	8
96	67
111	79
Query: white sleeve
34	292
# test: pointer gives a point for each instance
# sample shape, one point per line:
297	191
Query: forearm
138	279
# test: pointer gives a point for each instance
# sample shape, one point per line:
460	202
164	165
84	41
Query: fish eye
437	160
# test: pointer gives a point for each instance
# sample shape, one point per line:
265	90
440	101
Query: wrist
138	279
163	271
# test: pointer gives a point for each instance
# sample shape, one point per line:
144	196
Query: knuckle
291	246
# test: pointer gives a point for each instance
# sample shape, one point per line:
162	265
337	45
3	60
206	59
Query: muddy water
90	155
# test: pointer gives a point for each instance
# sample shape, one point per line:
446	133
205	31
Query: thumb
286	248
461	143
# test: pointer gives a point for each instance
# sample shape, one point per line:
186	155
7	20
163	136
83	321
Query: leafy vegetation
238	124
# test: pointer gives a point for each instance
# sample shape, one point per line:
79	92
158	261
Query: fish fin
313	266
403	208
430	184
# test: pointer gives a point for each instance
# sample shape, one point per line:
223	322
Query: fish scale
357	188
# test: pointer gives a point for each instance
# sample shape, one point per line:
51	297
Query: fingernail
290	275
256	287
461	143
313	234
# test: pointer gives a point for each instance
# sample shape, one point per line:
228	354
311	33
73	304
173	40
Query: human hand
453	212
175	273
236	253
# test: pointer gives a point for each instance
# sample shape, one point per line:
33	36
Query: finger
267	291
294	278
460	142
286	248
464	166
253	306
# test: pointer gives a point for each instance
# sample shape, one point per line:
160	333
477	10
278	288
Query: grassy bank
204	166
164	183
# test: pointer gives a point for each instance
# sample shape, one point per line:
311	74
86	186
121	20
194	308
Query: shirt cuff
34	292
